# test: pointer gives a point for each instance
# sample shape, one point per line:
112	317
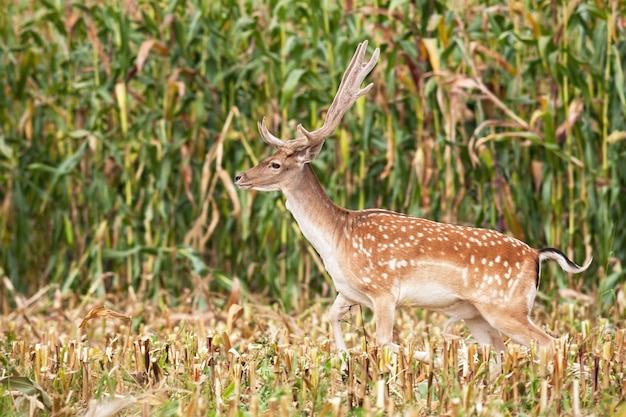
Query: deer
383	260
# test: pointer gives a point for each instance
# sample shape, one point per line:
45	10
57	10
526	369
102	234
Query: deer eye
275	165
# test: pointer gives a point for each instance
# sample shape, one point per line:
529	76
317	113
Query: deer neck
320	219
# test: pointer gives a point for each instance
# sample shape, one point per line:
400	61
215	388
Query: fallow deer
382	259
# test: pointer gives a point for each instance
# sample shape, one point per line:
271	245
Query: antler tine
268	137
348	92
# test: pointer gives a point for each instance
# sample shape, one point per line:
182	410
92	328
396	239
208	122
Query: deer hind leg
485	333
520	328
480	328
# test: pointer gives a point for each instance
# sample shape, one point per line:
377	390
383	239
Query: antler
268	137
348	92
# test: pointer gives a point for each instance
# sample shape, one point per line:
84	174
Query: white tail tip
563	261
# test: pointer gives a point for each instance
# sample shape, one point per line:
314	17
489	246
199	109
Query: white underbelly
427	295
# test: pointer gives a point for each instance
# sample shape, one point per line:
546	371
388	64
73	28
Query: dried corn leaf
102	312
235	294
144	51
234	313
108	408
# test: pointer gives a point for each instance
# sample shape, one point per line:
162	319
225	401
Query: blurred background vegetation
122	125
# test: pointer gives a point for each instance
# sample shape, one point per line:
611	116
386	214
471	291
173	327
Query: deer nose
237	177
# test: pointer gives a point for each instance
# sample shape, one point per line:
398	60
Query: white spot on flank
392	264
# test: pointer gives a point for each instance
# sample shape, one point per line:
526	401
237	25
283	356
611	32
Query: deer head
277	172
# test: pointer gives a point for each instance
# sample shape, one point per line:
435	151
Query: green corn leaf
290	85
28	387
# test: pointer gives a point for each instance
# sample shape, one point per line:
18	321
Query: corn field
122	125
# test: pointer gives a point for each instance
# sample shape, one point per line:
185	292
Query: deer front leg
384	311
339	308
384	306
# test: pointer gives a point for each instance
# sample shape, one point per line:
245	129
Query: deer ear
309	153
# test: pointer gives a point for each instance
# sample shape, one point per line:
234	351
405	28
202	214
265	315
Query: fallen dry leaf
102	312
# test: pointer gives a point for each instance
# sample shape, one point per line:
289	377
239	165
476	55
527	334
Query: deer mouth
240	182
